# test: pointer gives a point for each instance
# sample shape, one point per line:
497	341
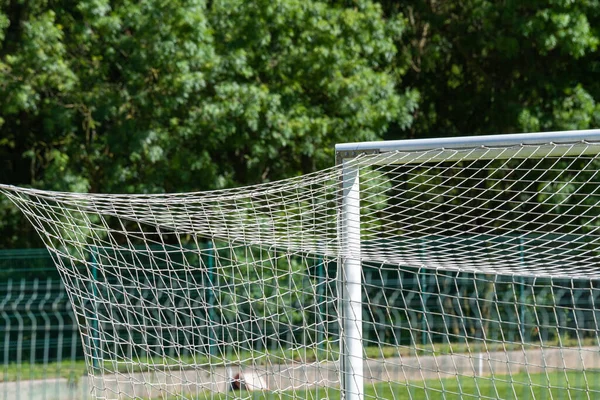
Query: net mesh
479	279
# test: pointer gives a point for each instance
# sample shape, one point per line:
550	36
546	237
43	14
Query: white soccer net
478	273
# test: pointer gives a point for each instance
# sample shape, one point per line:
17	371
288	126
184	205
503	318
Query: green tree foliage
157	96
486	67
299	77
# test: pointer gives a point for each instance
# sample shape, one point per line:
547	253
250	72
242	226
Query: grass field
76	369
553	386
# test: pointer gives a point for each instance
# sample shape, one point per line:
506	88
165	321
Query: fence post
210	297
522	290
94	317
320	320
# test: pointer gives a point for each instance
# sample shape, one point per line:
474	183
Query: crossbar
540	144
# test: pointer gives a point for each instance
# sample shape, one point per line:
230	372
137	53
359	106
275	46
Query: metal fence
42	355
40	349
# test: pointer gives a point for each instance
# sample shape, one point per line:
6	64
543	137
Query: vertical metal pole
320	313
522	290
424	296
212	320
424	299
95	332
351	286
210	265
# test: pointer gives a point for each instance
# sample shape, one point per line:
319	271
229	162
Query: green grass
74	370
555	386
71	370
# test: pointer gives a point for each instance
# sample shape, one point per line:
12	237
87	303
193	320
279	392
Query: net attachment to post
464	266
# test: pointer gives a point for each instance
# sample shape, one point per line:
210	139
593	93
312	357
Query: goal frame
462	148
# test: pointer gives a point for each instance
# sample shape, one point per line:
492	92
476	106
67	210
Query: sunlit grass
70	370
556	385
73	370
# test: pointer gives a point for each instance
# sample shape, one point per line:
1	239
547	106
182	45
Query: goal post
430	268
351	285
520	145
424	151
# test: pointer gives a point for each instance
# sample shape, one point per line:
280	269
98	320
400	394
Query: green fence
42	355
40	350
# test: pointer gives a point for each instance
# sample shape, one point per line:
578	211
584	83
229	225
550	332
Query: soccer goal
437	268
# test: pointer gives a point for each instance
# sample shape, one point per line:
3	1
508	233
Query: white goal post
434	268
419	151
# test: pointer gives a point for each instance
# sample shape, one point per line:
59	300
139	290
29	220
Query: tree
485	67
173	96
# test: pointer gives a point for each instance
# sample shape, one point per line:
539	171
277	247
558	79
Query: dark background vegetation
155	96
